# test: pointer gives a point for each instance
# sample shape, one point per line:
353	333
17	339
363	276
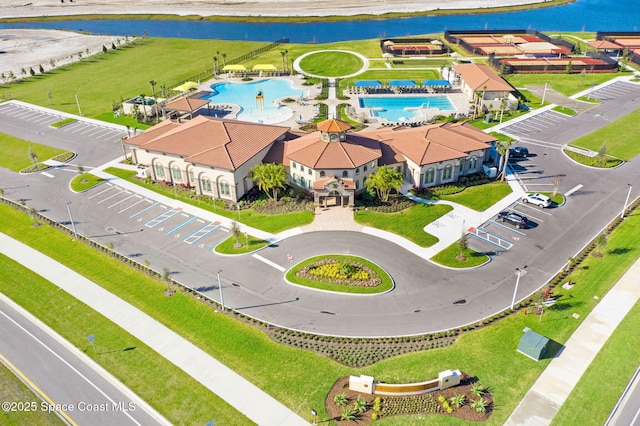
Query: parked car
537	199
518	220
518	152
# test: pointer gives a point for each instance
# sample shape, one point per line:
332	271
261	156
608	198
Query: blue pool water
399	109
253	110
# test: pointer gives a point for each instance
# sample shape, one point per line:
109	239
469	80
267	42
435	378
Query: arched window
224	188
192	177
295	178
302	181
334	137
429	176
206	184
322	174
447	173
345	174
310	172
357	183
176	174
301	168
159	169
473	163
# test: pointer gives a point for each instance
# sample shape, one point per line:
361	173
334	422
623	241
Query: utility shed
533	345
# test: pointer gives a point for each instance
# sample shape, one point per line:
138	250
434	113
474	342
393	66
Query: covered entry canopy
185	87
264	67
234	68
533	345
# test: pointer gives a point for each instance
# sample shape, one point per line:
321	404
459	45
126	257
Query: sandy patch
23	8
31	48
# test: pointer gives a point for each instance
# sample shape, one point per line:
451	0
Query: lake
582	15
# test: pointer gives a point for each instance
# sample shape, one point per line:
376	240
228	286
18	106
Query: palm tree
270	177
224	60
153	88
283	53
384	180
215	65
144	105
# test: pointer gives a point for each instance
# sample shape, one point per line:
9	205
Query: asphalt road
426	298
70	386
627	413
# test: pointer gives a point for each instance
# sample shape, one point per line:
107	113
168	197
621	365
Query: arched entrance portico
334	192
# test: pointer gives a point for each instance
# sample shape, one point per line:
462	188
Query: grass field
621	137
448	257
15	152
408	223
342	63
567	84
488	353
85	181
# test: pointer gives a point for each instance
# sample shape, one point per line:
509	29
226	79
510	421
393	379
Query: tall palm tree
215	65
153	88
224	60
144	104
283	53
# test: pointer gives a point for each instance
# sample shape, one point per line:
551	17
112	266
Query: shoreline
270	10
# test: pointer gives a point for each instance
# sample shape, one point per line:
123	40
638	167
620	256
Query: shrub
341	399
480	405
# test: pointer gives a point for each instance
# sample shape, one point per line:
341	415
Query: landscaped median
341	274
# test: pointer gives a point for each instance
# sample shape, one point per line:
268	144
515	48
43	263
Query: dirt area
422	404
22	48
22	8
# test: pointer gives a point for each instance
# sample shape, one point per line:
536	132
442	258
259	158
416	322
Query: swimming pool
401	108
257	100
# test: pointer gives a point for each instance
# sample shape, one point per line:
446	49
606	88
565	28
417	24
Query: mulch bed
465	412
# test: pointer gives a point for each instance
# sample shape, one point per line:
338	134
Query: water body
582	15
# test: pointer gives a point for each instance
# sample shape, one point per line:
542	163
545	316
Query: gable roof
479	76
209	141
189	104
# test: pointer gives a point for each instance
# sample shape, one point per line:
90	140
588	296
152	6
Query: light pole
220	288
73	225
544	93
626	201
238	206
519	272
314	413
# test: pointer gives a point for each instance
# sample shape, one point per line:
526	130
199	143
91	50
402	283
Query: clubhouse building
215	155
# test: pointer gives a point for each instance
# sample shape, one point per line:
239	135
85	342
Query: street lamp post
314	413
73	225
238	206
220	288
626	201
519	272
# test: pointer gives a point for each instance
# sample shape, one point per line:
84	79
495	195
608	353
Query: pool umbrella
185	87
234	68
264	67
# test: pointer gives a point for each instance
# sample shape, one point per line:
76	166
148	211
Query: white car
537	199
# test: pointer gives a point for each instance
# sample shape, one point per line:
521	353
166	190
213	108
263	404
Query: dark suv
518	152
513	218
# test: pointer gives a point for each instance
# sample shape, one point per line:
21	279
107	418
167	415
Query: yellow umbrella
234	68
185	87
264	67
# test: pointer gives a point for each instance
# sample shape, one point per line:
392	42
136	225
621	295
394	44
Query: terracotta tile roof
432	144
477	76
333	125
189	104
312	151
603	44
210	141
319	184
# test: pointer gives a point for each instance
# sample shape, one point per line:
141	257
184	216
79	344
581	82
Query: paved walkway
257	405
540	405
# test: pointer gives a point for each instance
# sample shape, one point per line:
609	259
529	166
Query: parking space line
162	217
486	236
110	187
191	219
533	207
572	190
111	196
122	201
144	210
202	232
135	204
47	174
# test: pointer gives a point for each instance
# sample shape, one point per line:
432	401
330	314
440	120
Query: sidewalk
542	402
245	397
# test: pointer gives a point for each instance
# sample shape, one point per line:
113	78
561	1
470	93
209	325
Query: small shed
533	345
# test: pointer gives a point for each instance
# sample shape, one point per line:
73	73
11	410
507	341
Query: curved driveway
427	298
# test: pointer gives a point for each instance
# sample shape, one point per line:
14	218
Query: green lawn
564	110
85	181
12	389
607	161
385	285
567	84
15	152
266	222
621	137
342	63
447	257
489	353
408	223
249	244
480	197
